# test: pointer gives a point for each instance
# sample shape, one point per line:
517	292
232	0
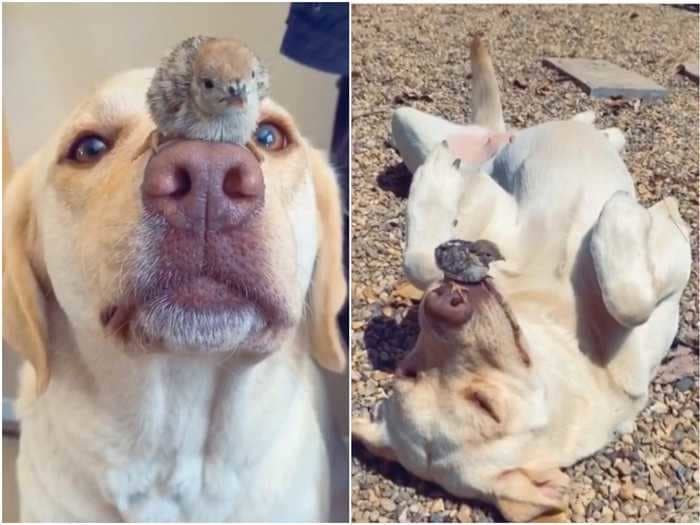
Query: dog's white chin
183	330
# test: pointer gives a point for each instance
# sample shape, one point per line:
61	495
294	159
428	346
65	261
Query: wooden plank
602	79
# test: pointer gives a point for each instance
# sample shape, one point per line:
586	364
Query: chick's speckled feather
170	86
182	106
466	261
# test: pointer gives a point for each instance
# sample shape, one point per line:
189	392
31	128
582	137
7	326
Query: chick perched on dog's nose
466	261
208	89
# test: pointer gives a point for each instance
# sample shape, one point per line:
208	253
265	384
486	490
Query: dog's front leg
431	214
449	200
642	263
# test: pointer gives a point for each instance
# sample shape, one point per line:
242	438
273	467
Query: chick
208	89
466	262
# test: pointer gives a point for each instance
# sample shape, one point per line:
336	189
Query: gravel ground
416	55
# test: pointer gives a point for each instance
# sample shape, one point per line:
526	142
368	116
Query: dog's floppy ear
328	287
525	494
24	301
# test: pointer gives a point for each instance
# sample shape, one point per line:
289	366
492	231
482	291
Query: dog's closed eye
483	402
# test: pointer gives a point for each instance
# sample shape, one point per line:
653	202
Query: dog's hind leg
486	101
415	133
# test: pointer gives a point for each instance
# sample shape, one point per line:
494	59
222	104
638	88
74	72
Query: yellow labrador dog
173	309
542	364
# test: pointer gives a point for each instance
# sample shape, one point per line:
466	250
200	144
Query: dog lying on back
542	363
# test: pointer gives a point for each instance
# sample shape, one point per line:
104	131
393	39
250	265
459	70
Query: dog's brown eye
208	83
87	149
270	137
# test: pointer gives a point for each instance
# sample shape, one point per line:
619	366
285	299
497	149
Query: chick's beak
237	93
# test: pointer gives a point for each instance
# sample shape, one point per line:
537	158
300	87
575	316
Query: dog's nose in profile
449	303
197	185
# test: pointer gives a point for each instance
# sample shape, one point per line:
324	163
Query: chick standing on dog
466	262
208	89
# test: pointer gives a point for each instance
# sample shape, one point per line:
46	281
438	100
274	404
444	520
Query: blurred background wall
56	54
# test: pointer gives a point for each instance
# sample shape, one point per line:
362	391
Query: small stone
403	516
640	494
657	483
436	518
464	515
606	515
388	505
623	466
688	446
627	491
685	384
630	510
659	408
614	489
438	506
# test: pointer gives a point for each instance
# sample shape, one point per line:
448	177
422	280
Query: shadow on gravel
402	478
396	179
387	341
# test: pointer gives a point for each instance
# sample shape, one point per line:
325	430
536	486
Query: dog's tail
486	101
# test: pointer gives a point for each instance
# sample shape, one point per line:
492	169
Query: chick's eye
270	137
87	149
208	83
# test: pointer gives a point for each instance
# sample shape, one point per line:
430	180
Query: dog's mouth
199	314
190	294
454	303
451	306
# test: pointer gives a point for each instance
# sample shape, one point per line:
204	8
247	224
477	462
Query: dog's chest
189	487
191	458
179	474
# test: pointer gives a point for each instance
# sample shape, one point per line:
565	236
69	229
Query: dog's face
488	402
472	341
198	248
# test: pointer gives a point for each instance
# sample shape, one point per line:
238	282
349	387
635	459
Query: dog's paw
440	178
